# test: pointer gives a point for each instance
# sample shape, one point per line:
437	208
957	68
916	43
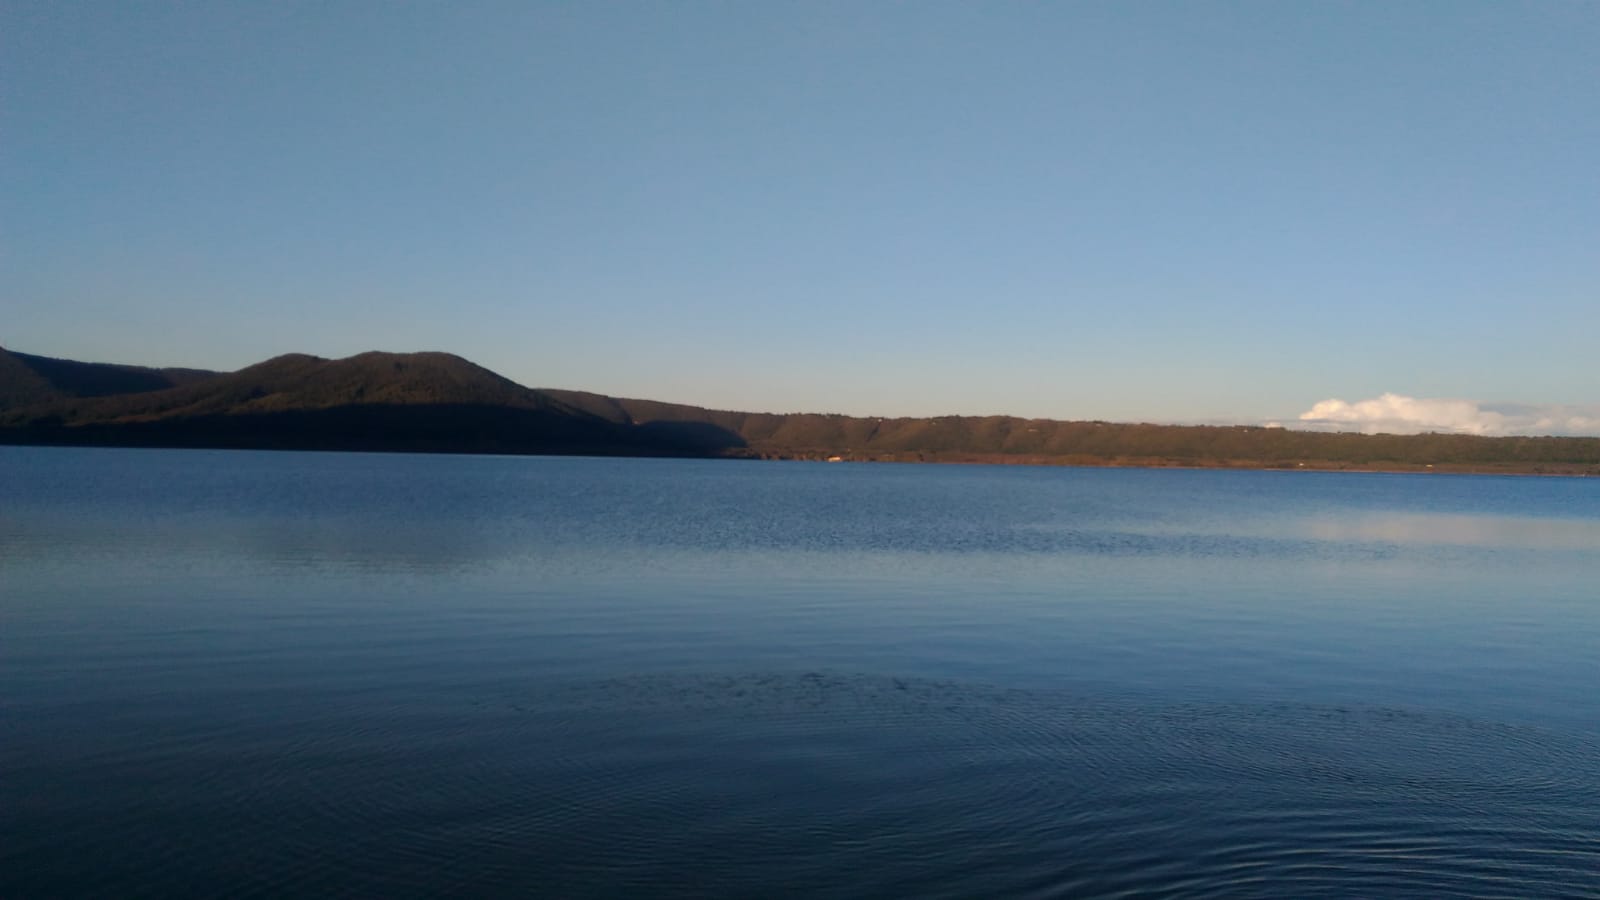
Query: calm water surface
386	675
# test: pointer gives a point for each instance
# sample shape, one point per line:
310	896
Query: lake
265	674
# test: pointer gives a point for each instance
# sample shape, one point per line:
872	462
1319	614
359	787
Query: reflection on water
291	512
337	674
227	540
1521	532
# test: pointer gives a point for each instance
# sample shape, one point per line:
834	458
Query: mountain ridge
439	402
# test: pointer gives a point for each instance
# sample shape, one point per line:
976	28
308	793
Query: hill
375	401
27	379
438	402
1008	439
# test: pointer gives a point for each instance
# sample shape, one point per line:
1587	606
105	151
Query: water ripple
823	784
857	785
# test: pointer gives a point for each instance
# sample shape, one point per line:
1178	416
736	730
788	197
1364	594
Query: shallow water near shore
350	674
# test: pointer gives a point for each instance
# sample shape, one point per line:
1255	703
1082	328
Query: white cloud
1399	414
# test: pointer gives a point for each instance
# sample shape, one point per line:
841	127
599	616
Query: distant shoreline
1570	470
440	403
1557	470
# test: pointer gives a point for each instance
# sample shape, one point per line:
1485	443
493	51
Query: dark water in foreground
322	675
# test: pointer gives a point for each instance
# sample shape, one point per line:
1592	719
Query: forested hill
27	379
442	403
432	402
1008	439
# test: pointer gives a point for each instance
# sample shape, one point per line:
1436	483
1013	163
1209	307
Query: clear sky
1173	211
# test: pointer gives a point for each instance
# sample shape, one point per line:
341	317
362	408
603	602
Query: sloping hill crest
298	381
27	379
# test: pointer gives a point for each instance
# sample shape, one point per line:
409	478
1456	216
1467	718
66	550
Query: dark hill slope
26	379
297	382
799	432
374	401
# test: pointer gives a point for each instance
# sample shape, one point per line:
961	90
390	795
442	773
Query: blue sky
1127	211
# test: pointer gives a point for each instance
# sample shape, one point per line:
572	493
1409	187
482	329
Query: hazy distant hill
443	403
